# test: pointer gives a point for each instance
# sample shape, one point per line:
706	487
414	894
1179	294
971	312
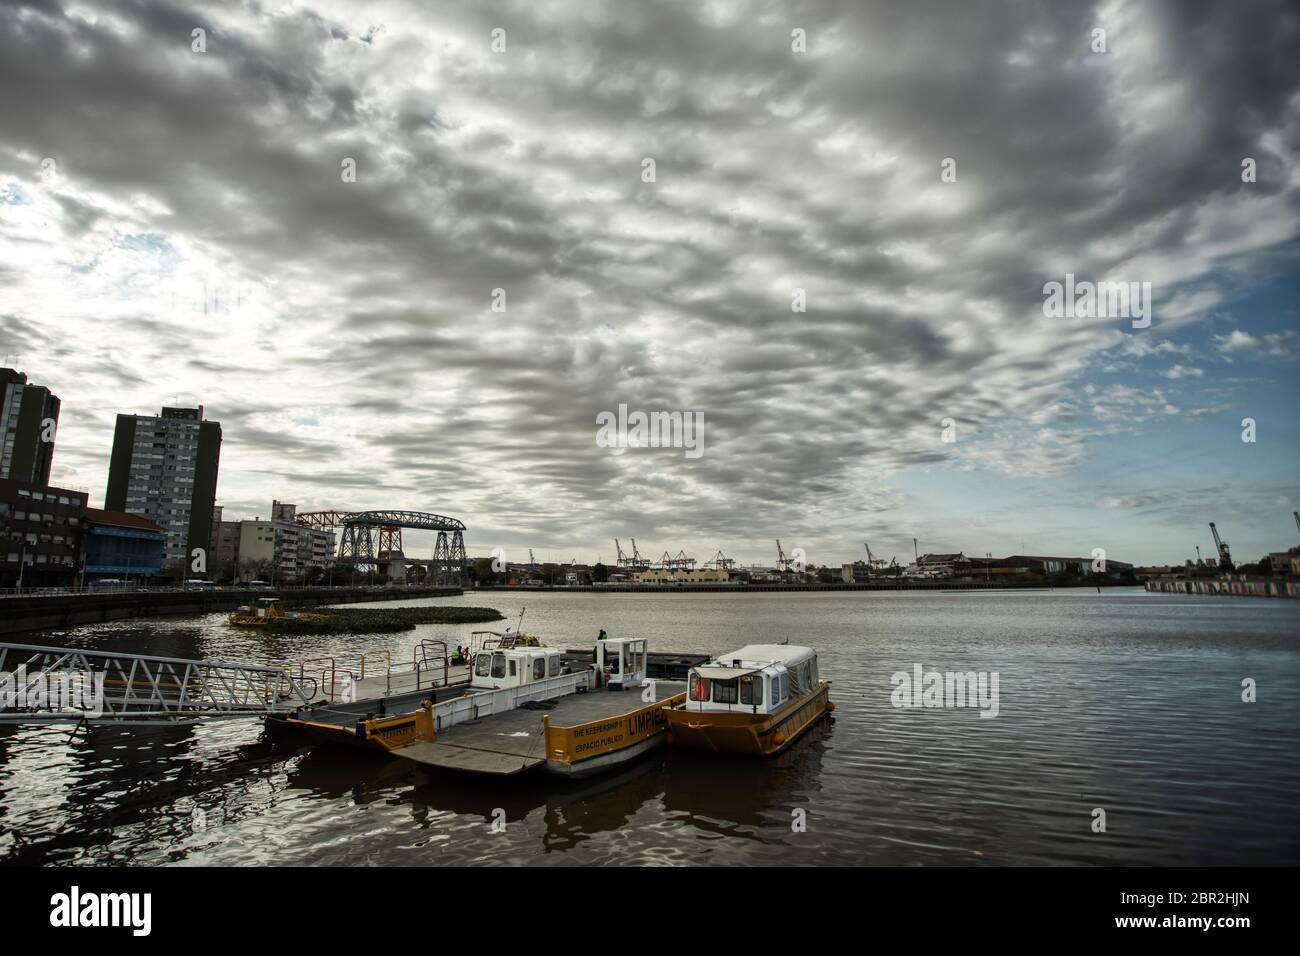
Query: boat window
539	668
699	688
778	688
498	665
482	665
513	671
611	661
725	691
555	665
751	690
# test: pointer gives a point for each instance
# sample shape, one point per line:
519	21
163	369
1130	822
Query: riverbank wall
775	586
1258	587
35	612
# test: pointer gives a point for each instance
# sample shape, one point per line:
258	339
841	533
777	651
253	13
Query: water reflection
1126	701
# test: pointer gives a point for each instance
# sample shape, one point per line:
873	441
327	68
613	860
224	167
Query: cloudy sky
176	226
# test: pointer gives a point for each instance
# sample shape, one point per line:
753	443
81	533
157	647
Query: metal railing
60	684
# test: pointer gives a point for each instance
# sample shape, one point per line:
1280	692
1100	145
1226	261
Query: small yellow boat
263	610
756	700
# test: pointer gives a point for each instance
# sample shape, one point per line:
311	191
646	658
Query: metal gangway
42	685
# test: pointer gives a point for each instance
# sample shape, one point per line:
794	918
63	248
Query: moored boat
264	610
755	700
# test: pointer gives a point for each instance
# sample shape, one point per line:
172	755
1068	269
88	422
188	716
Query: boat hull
599	745
737	732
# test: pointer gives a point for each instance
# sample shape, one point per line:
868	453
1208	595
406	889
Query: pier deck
515	741
402	683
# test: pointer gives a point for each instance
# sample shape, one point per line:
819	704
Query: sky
408	253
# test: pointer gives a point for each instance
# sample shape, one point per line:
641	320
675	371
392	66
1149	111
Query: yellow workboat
264	610
756	700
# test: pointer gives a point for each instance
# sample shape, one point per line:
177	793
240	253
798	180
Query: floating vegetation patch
379	620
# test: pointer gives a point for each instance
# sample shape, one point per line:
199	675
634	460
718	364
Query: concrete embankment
36	612
1256	587
751	588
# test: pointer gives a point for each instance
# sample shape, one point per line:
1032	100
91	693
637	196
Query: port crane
681	562
782	562
1225	556
721	562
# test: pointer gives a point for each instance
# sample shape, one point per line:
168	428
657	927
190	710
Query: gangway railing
60	684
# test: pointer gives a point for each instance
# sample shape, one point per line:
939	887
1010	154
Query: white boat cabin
516	666
623	661
758	678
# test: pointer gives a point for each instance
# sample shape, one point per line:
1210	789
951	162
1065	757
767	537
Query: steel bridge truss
45	685
370	537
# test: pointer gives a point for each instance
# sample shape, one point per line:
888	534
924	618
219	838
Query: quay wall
1262	587
774	586
34	612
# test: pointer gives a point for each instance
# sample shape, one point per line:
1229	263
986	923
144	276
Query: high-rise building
164	468
28	416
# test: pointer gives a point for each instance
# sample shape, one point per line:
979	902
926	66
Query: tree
480	571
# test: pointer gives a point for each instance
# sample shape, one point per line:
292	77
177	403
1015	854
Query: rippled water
1123	701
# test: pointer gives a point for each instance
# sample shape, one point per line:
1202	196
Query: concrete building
224	562
164	468
282	547
681	576
29	414
40	534
297	547
117	545
1282	562
256	550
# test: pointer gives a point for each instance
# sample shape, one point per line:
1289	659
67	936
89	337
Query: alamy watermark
63	692
1098	300
922	688
639	429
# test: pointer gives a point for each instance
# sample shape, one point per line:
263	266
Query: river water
1124	702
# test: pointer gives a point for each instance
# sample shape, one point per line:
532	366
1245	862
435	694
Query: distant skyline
176	227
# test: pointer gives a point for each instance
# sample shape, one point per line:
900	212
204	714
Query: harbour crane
782	562
1296	514
1225	556
637	560
721	562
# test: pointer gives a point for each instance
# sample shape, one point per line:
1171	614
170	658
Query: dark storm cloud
377	350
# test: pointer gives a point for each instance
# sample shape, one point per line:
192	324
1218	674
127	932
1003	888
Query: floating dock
576	735
576	712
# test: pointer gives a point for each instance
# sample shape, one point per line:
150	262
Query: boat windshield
483	665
